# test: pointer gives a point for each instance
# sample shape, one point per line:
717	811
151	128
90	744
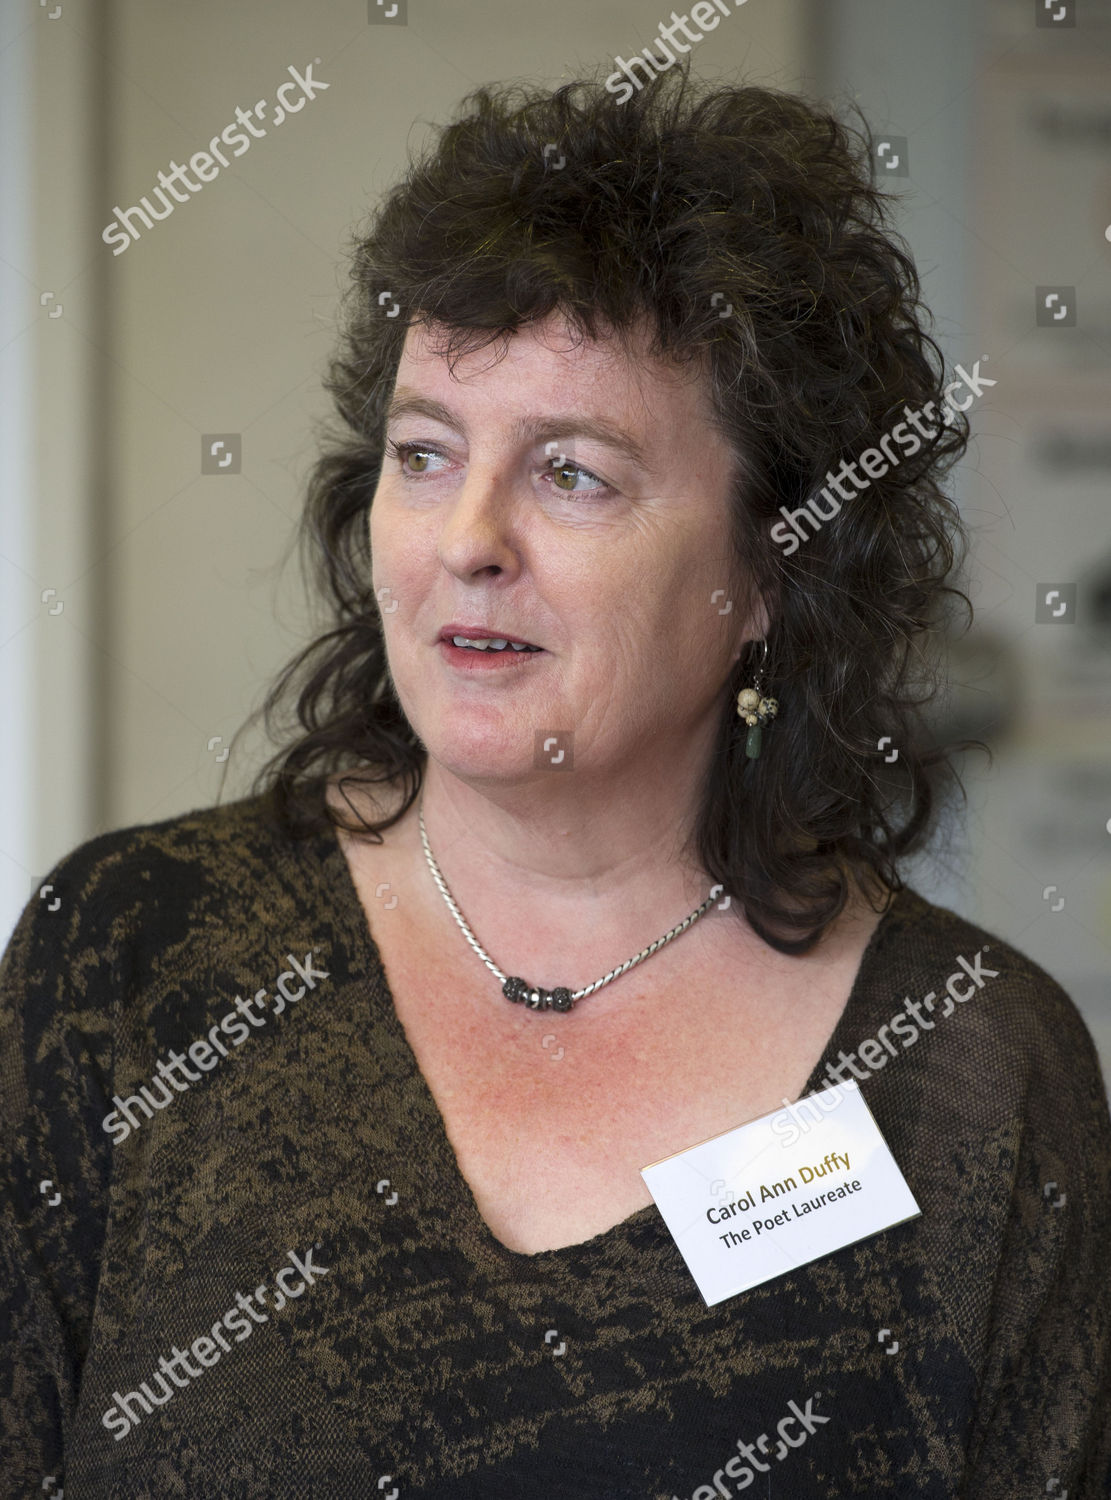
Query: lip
480	633
487	661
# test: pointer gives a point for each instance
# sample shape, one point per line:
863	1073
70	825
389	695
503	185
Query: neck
564	883
563	838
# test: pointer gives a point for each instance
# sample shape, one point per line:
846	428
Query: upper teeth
485	643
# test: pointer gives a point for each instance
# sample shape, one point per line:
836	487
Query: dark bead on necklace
534	997
514	989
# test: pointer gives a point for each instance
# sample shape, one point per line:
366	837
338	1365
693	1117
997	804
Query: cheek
396	553
382	524
394	592
682	609
376	539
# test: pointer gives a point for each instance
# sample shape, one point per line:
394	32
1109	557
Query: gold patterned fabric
257	1272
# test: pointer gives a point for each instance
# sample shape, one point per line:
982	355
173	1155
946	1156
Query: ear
755	627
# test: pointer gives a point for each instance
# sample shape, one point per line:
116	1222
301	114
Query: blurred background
160	395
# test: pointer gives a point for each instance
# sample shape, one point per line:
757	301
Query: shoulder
207	845
985	1082
210	838
158	886
991	1017
990	1021
135	930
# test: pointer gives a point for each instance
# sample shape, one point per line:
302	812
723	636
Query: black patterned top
239	1258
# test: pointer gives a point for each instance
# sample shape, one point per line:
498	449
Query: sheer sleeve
1043	1423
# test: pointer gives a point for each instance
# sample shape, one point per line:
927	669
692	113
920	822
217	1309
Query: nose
479	525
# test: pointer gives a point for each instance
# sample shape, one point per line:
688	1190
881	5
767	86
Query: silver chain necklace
518	990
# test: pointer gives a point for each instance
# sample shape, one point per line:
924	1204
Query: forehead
549	361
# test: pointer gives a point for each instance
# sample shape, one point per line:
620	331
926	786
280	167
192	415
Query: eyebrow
532	428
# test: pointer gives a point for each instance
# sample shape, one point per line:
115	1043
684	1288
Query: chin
475	745
479	768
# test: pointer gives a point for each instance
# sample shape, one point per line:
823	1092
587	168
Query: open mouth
465	643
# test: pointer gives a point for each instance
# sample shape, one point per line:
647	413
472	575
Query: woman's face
574	499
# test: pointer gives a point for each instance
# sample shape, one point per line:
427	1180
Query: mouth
496	644
472	637
481	651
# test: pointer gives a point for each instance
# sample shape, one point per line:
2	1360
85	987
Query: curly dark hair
745	224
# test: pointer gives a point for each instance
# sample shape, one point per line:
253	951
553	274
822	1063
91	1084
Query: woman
519	919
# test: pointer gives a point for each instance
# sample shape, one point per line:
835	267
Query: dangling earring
756	710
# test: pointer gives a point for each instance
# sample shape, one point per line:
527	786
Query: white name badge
758	1201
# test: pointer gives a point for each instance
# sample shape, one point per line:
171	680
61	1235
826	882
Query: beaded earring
756	710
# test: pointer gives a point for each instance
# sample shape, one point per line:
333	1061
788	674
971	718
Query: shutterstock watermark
705	14
207	1054
965	982
804	1420
174	1370
239	134
791	531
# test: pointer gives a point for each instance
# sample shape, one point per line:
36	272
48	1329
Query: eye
402	452
557	470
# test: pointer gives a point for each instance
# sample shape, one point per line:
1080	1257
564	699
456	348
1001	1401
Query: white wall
51	369
998	203
18	313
